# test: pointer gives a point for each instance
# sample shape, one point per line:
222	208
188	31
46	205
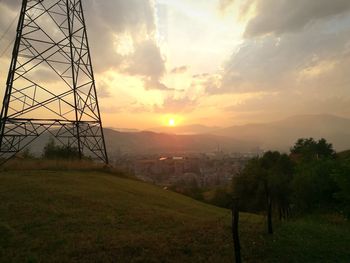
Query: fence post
269	215
235	233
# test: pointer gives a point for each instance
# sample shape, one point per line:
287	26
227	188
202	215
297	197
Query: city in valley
201	170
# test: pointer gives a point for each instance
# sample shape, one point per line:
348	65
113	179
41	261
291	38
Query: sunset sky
212	62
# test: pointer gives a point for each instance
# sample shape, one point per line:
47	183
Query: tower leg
51	40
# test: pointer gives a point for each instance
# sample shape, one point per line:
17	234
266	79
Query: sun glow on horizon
171	122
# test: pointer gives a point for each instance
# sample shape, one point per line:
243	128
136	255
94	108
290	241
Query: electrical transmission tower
50	89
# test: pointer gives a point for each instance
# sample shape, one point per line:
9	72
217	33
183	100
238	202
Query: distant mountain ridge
146	142
281	135
185	129
154	143
278	135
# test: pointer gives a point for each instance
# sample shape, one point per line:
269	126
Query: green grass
313	238
96	217
81	216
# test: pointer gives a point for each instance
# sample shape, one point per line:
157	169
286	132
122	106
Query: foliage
26	154
53	151
264	184
189	187
279	169
344	155
313	184
268	176
309	149
341	176
221	198
311	177
249	187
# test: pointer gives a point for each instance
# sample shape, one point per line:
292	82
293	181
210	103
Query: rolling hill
151	142
55	216
281	135
80	216
159	143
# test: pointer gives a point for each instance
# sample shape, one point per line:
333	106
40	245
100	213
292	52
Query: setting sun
171	122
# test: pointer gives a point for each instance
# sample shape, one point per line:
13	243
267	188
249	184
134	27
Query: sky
211	62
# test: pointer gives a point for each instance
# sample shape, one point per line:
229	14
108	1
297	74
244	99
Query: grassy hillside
60	216
96	217
313	238
344	154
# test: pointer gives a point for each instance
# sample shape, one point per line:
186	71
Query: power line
5	33
7	48
8	28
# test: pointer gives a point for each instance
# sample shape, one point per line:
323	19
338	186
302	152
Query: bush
313	184
53	151
341	176
222	198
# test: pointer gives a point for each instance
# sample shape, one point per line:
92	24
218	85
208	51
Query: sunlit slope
97	217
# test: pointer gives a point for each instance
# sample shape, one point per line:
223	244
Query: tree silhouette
309	149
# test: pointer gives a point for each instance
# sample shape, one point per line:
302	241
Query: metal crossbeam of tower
50	87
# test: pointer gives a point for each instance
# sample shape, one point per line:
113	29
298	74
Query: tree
26	154
221	198
313	185
265	183
249	188
280	171
53	151
341	176
309	149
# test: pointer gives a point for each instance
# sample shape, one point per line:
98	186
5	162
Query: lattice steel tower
50	87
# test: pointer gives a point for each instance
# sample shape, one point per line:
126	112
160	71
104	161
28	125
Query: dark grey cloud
142	61
277	105
275	63
293	60
108	19
121	15
283	16
147	61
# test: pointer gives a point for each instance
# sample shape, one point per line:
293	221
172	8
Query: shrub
53	151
